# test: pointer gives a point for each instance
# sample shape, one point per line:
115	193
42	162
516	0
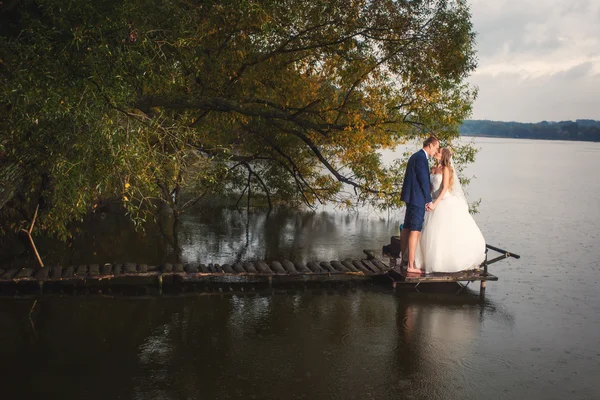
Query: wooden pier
400	277
143	274
250	272
462	279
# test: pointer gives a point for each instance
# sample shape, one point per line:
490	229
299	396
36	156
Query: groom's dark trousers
416	191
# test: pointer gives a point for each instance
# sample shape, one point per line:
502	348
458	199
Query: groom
416	193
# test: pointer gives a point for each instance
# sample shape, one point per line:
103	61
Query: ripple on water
486	364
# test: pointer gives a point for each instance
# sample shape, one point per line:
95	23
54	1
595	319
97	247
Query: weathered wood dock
143	274
250	272
462	278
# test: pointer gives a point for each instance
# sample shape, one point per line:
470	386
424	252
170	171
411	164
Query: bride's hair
446	162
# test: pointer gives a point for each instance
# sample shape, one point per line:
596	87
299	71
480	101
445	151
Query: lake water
536	336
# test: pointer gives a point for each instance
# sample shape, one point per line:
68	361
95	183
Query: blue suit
416	188
416	191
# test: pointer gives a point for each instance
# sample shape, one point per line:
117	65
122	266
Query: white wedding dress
450	240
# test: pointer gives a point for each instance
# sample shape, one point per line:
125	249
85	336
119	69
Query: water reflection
222	235
347	343
225	236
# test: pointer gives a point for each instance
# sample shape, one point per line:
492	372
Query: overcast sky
538	59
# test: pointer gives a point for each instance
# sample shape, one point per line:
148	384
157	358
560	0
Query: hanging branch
262	183
249	192
240	198
28	233
295	172
258	178
341	178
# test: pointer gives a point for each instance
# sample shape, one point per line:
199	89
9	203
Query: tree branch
258	178
295	172
328	165
226	105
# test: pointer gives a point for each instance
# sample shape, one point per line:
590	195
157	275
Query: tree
293	99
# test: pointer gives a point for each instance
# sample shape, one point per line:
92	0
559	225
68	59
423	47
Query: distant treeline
581	129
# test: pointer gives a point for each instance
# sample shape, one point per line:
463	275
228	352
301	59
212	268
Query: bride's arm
445	183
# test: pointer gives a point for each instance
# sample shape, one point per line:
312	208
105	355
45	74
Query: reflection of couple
446	239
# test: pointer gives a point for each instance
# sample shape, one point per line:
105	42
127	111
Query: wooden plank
25	273
129	268
227	269
216	268
381	265
316	268
403	277
360	266
152	268
67	272
431	279
210	269
289	267
263	268
107	269
143	268
370	254
251	268
42	274
9	274
238	268
81	270
302	268
339	266
350	266
56	273
178	268
278	268
94	269
371	266
193	269
167	268
329	268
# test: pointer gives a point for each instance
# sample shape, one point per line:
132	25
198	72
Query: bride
451	240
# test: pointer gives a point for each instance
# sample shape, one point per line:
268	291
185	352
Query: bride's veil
457	189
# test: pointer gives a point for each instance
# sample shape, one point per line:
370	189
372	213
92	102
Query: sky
537	59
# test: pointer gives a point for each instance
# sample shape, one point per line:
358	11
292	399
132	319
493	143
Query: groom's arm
423	178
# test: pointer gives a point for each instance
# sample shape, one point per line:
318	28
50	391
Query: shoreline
527	138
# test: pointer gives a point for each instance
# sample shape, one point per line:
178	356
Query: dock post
41	284
482	290
160	284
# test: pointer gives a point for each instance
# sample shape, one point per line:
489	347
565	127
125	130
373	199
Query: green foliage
140	100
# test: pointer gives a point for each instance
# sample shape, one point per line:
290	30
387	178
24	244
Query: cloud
538	59
577	72
567	95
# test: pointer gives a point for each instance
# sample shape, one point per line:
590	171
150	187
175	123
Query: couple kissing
439	234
